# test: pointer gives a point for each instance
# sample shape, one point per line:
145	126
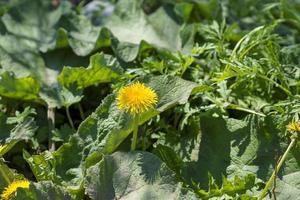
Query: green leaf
20	117
42	190
23	131
60	167
7	175
7	146
113	126
287	187
238	187
168	156
135	30
57	97
41	166
159	28
26	88
34	22
133	175
105	129
185	143
171	90
102	69
19	57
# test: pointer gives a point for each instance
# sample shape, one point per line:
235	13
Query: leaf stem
135	132
277	168
69	118
275	83
51	127
4	175
81	111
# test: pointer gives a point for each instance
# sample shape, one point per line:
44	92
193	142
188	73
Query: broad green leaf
185	143
237	147
17	55
23	130
66	159
41	166
55	166
106	128
287	187
135	30
172	160
102	69
42	190
133	175
26	88
60	167
34	22
159	28
114	126
81	35
57	97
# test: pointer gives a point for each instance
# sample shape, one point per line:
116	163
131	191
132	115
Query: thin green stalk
275	83
277	168
69	118
135	132
81	111
51	127
4	175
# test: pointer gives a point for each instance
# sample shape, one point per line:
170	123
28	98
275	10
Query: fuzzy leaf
134	175
26	88
42	190
102	69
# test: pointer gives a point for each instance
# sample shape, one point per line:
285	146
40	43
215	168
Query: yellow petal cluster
136	98
11	189
294	127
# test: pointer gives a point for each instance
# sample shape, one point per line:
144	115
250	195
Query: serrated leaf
185	143
41	166
159	28
102	69
134	175
42	190
26	88
59	166
114	126
287	187
106	128
35	22
57	97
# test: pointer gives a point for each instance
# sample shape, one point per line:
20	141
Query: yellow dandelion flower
136	98
11	189
294	127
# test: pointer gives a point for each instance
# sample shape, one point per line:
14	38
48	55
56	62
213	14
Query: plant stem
277	168
81	111
4	175
135	132
51	127
69	118
275	83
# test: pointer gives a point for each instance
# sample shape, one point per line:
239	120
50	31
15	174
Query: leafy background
227	76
